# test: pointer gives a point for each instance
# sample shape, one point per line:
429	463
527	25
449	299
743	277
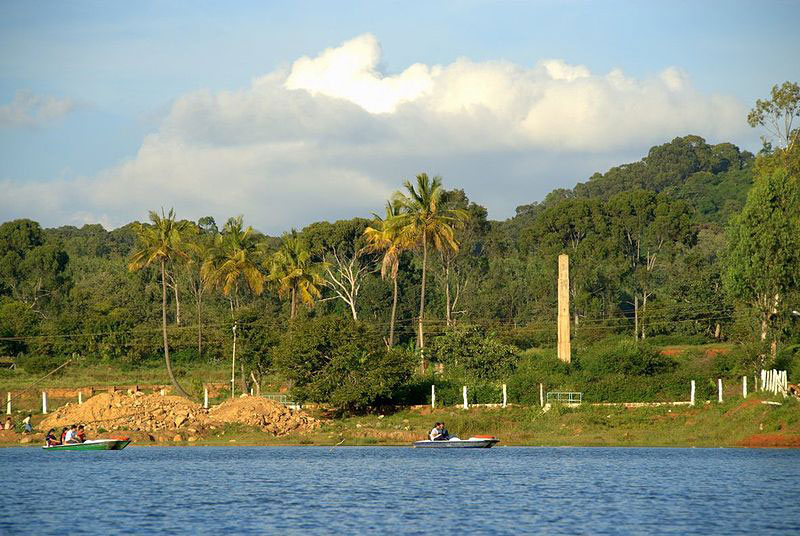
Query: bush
478	356
623	355
335	360
41	364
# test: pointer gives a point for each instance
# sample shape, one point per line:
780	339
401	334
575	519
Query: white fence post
719	390
505	397
205	397
80	397
8	404
44	402
433	396
466	406
744	386
691	399
541	395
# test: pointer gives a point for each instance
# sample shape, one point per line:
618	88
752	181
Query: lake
346	490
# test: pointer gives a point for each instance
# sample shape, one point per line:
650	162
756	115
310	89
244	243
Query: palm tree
385	237
425	220
234	261
294	272
160	243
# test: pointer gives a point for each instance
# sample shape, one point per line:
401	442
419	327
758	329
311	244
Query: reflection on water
400	490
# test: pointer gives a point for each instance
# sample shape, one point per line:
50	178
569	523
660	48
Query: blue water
297	490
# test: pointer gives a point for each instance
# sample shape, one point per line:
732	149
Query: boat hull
94	444
472	443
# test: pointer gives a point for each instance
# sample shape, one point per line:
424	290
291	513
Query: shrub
468	349
41	364
338	361
623	355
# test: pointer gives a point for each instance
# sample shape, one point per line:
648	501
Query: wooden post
744	386
466	406
44	402
541	394
505	398
80	397
691	399
433	396
564	351
8	404
205	397
719	390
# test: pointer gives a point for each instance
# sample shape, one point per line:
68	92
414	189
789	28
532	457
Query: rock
358	425
177	438
25	440
192	439
179	421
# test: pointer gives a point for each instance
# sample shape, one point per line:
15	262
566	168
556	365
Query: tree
384	236
294	272
343	275
424	220
160	243
764	247
777	114
32	270
234	261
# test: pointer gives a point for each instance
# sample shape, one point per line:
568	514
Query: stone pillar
564	350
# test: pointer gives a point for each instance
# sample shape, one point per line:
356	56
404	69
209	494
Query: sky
295	112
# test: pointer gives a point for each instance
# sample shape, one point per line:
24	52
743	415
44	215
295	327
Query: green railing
565	397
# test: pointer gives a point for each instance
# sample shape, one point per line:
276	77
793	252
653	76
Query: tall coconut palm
160	243
295	273
385	237
234	261
425	221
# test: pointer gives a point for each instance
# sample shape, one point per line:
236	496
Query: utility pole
564	350
233	362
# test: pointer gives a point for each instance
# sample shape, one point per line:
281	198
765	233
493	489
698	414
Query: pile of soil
268	415
146	413
156	413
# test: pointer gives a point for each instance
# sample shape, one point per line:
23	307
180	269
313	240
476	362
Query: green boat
94	444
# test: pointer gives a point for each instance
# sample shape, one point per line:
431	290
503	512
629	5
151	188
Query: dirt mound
156	413
771	440
147	413
268	415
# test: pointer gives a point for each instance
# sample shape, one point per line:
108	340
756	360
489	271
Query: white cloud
334	135
29	109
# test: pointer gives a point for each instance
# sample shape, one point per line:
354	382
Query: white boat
474	442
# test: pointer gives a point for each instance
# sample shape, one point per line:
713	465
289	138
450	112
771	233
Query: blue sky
117	73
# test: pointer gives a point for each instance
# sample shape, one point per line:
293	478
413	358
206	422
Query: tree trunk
636	316
199	329
421	339
164	332
718	331
394	312
177	302
294	305
644	310
447	292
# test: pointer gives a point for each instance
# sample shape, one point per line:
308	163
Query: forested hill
714	179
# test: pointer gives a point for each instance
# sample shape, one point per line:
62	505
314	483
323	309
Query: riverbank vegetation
695	244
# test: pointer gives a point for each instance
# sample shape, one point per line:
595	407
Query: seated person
71	435
81	435
50	439
64	434
439	433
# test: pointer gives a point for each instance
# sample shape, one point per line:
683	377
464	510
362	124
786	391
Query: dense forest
693	243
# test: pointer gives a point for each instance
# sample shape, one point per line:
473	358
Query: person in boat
71	433
9	425
81	435
50	439
439	433
64	434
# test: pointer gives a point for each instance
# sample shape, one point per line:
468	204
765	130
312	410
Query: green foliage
470	350
338	361
623	355
41	364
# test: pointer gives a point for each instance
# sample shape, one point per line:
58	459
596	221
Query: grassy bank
734	423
